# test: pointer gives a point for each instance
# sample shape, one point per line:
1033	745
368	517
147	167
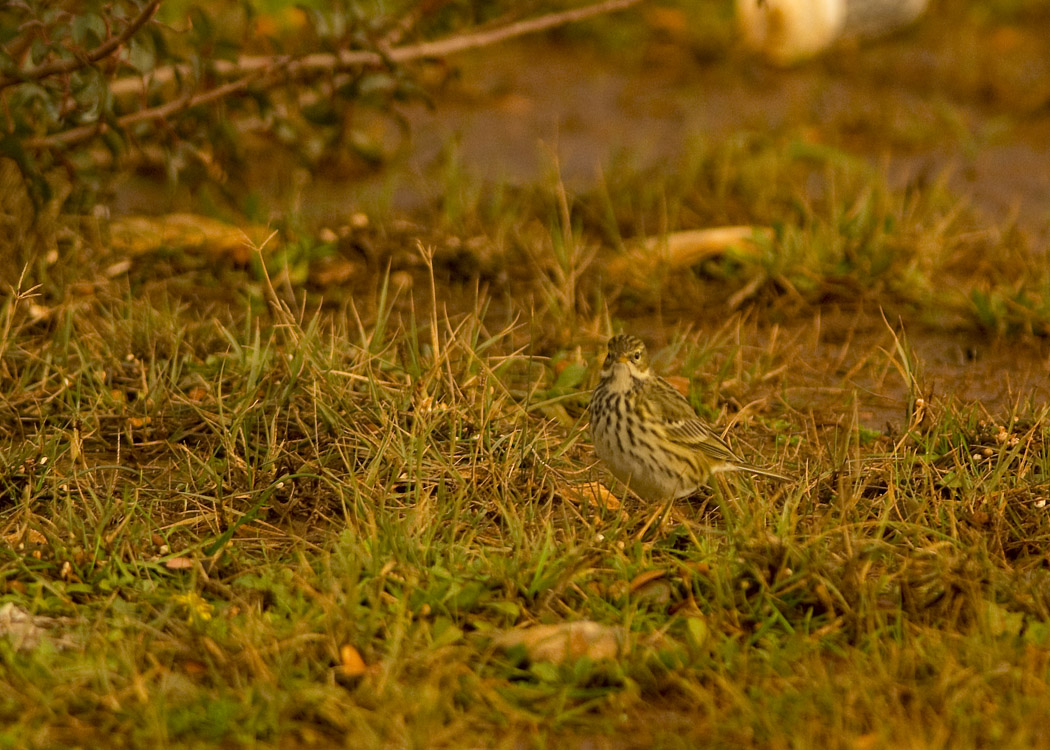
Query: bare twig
319	63
76	135
463	42
251	69
108	47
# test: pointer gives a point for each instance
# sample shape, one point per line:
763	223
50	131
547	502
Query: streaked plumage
647	433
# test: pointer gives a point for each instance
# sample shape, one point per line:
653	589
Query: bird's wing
693	433
681	425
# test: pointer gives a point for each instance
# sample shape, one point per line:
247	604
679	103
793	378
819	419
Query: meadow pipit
648	434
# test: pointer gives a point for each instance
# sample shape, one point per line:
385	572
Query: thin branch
252	68
463	42
61	67
85	132
315	64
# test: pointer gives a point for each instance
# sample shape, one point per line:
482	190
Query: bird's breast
619	379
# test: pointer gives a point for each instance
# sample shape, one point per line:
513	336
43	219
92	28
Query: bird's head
628	350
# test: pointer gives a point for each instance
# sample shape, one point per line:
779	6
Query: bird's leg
660	513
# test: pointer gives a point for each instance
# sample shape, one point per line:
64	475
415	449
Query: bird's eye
636	356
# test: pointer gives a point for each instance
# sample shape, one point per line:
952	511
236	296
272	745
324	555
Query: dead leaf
179	563
26	631
566	641
350	661
19	540
652	587
594	493
640	580
679	251
680	383
139	235
194	668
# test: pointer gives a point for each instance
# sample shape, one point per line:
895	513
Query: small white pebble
599	538
1040	503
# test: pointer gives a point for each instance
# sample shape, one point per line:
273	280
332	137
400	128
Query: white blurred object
789	31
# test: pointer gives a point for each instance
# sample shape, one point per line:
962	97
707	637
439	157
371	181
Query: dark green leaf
88	30
142	53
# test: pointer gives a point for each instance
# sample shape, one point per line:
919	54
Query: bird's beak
622	359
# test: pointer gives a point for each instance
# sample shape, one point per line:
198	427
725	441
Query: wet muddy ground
942	98
513	107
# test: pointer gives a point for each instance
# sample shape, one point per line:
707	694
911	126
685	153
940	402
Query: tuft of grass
205	515
219	483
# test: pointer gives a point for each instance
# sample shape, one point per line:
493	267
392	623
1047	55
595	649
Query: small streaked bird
647	433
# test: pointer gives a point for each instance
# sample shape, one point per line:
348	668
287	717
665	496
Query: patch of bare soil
842	354
973	103
920	103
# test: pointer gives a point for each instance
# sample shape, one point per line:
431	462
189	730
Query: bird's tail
752	469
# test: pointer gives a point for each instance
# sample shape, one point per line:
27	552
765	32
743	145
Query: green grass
214	509
214	504
219	481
